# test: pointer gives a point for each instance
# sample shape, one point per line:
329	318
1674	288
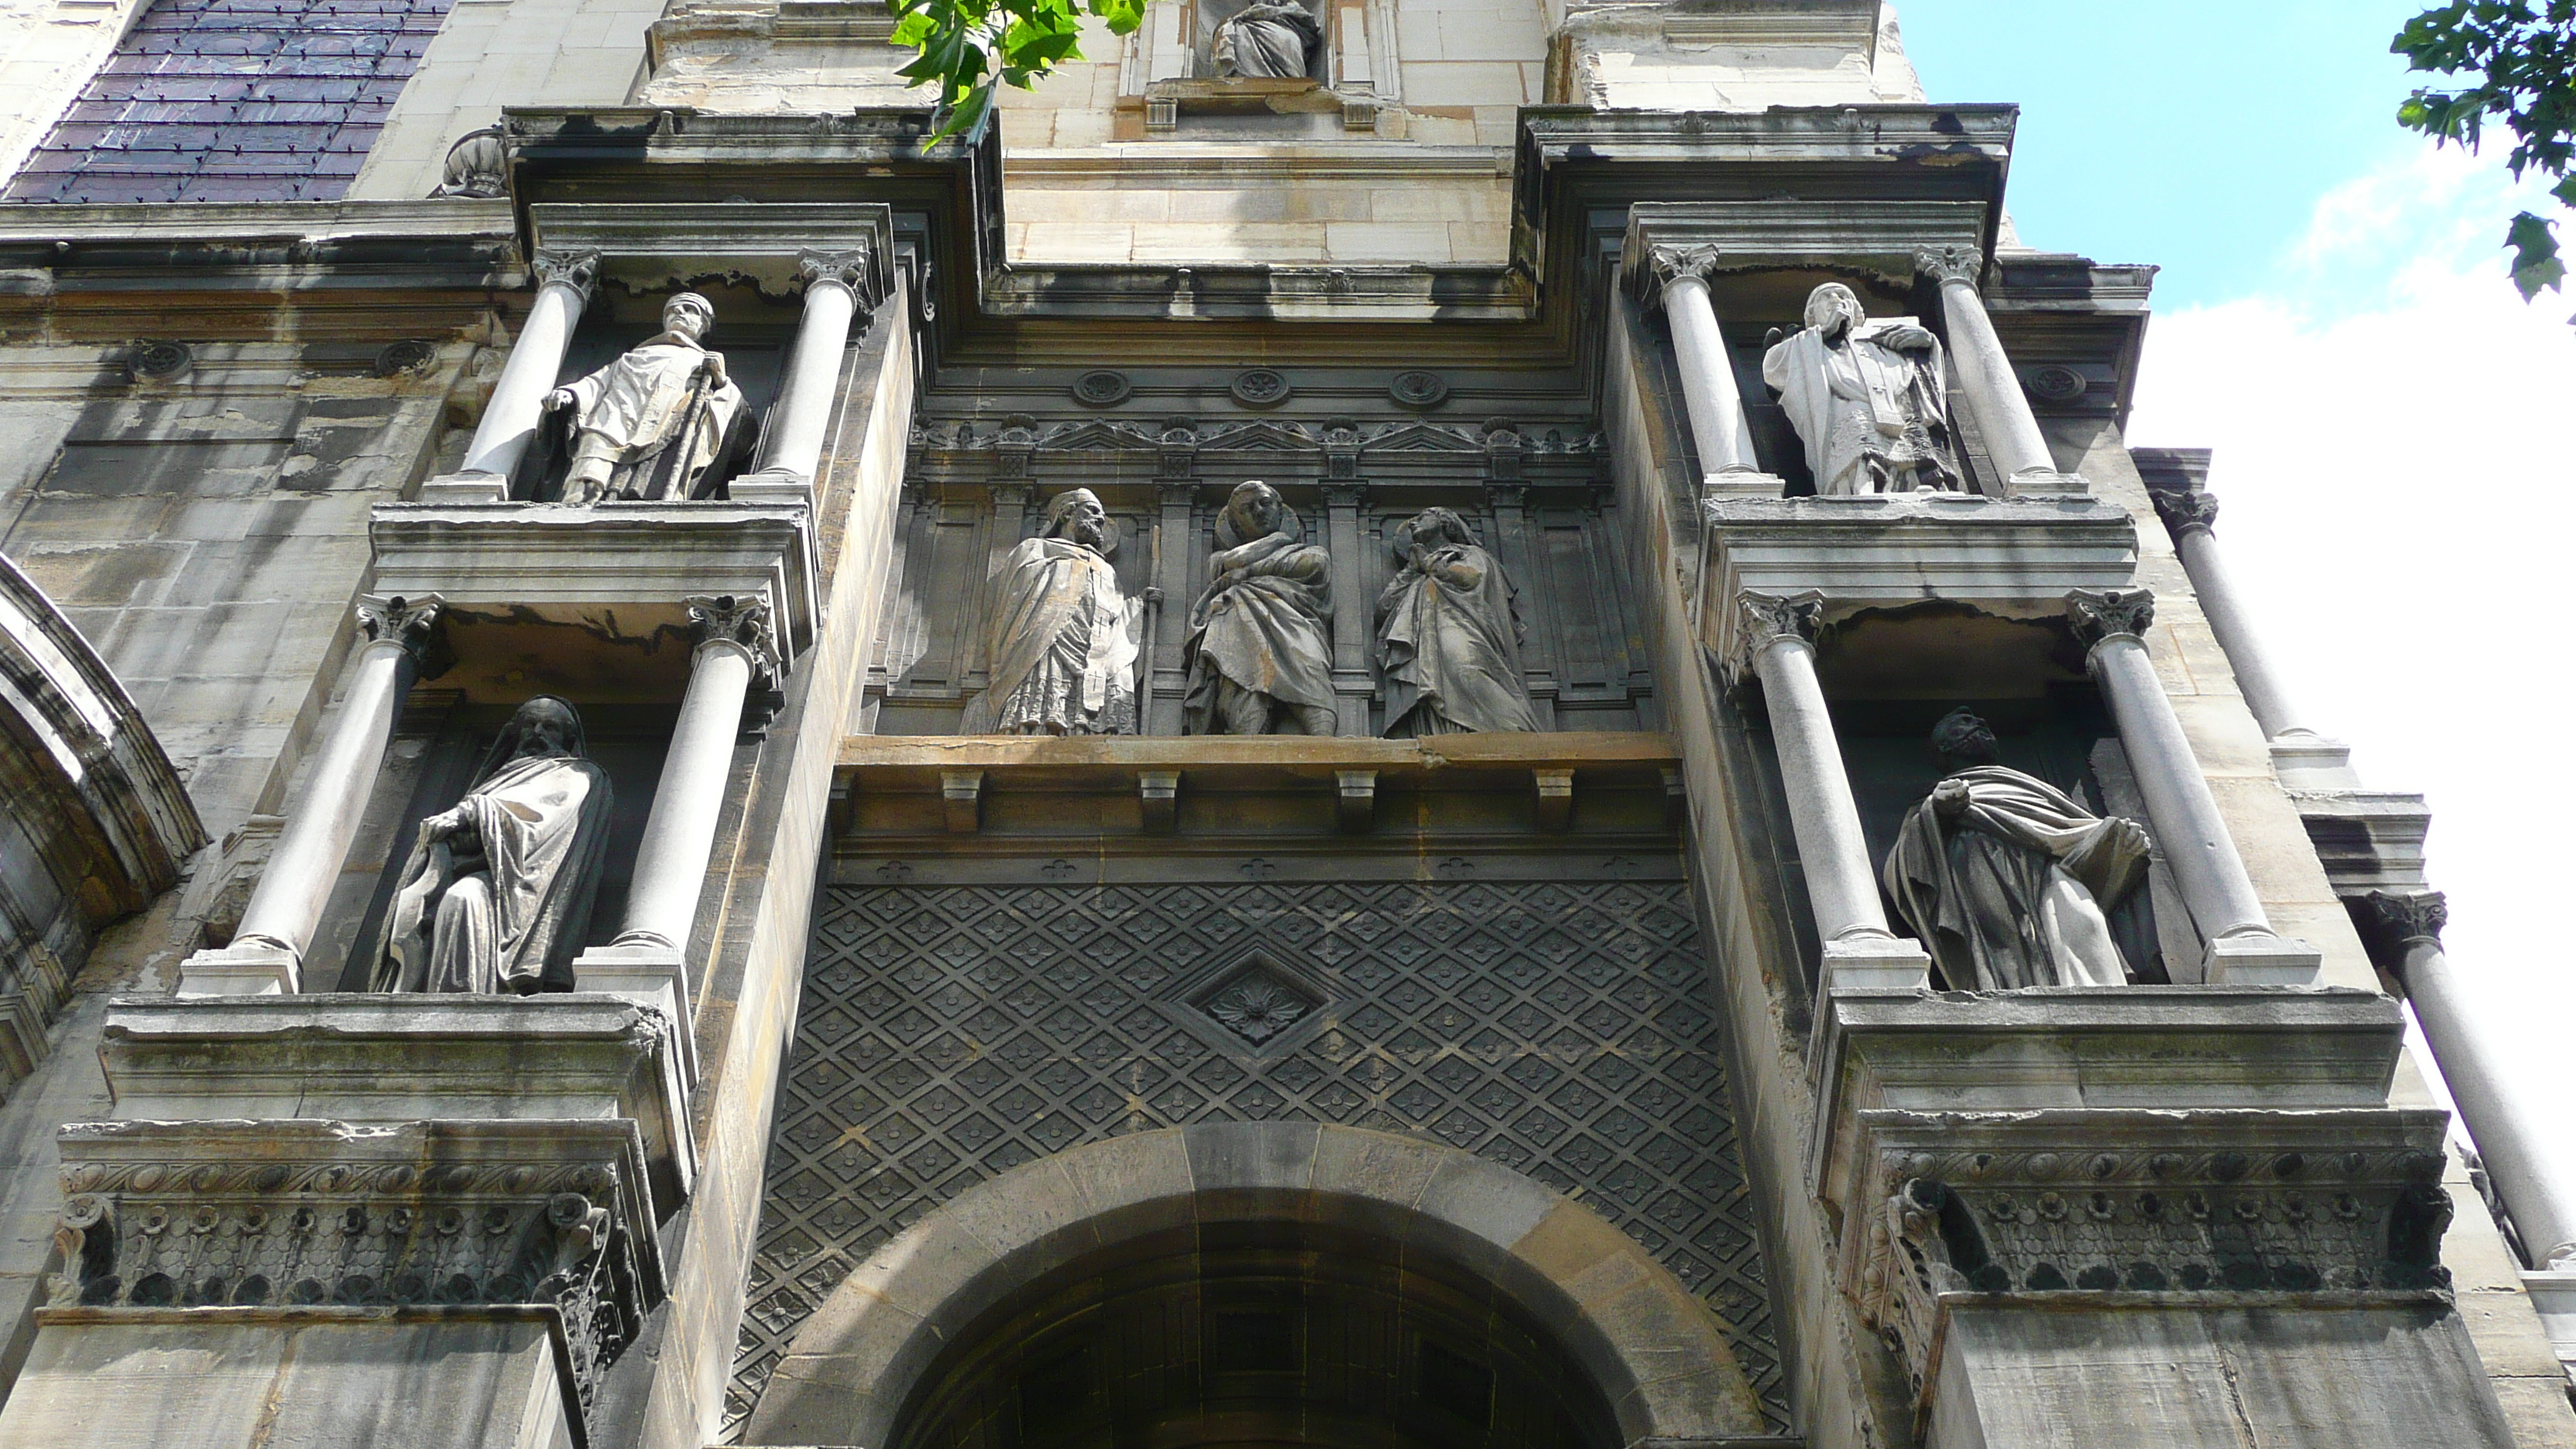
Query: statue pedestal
655	977
2260	960
772	488
458	488
1876	964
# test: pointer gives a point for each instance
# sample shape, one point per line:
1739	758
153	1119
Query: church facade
1395	723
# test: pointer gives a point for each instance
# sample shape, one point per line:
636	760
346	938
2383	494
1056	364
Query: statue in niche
1267	39
1062	637
496	895
1449	635
1868	398
2005	878
1259	657
659	423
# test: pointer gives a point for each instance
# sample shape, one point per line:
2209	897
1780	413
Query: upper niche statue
497	893
1063	638
655	423
1449	635
2005	878
1258	659
1267	38
1867	397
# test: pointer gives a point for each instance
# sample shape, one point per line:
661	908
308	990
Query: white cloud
2394	431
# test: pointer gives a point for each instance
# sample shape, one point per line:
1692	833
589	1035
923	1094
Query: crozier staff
654	422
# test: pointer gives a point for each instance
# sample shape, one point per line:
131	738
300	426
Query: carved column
1539	657
518	400
2533	1169
1352	632
1161	715
794	452
2242	947
267	951
1986	377
1860	950
1716	408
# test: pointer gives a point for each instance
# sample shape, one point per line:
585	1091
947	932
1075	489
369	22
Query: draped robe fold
1265	631
504	903
1448	640
1063	646
1985	890
656	397
1861	400
1266	40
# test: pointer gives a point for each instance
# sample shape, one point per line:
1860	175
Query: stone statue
1869	399
1259	657
2005	878
1062	637
497	893
1267	38
1449	635
655	423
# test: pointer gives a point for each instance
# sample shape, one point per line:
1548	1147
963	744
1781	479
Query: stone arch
1653	1350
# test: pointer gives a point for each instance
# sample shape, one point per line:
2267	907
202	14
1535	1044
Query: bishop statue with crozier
1062	639
1869	398
658	423
2005	878
496	895
1259	656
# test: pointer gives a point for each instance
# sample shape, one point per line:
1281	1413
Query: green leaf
2535	255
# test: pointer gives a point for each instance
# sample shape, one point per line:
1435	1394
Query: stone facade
1554	1086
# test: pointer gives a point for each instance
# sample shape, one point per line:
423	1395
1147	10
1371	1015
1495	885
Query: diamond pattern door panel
951	1033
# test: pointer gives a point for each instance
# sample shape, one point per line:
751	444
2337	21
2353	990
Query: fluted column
267	951
1780	636
2532	1168
1709	393
794	452
1986	376
518	399
2241	946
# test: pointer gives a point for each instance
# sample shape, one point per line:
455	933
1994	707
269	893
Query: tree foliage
970	46
2521	60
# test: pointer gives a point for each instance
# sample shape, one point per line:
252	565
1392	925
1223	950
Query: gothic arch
1652	1349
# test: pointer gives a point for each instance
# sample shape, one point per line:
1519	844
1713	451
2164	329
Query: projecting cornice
1878	237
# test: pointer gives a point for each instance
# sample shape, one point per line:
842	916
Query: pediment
1422	438
1261	437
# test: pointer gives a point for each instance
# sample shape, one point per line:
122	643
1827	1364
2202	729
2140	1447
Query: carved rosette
557	267
2410	916
2102	615
743	622
1768	619
410	624
1963	265
2070	1218
2194	511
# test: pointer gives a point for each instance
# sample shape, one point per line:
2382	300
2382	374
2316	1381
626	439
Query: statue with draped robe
1259	656
1062	637
1449	635
2005	878
497	892
1267	39
1869	398
657	423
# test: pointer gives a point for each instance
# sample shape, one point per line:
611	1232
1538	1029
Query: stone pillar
1352	637
1860	950
1718	428
267	951
2300	755
2241	945
794	451
1986	377
2533	1168
1161	715
518	399
648	962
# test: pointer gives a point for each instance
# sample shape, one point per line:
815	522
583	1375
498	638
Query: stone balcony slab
390	1059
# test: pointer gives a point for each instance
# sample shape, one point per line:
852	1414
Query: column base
773	487
2040	482
1742	483
2260	959
2553	1297
243	969
466	488
647	974
1874	964
2305	760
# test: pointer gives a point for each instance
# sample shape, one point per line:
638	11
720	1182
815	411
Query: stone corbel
961	794
1158	794
1355	800
1555	799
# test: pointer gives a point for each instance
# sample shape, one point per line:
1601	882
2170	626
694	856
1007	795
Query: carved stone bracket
740	621
2185	512
555	267
1951	264
2100	614
410	624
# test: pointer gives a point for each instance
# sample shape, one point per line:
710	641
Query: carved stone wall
949	1033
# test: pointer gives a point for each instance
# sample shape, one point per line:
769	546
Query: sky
2390	419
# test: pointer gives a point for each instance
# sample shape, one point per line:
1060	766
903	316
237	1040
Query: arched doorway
1259	1284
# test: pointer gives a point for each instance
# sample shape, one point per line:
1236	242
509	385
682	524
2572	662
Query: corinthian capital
2104	614
1671	263
2410	915
409	624
559	268
740	621
1951	264
1769	618
2185	512
847	267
